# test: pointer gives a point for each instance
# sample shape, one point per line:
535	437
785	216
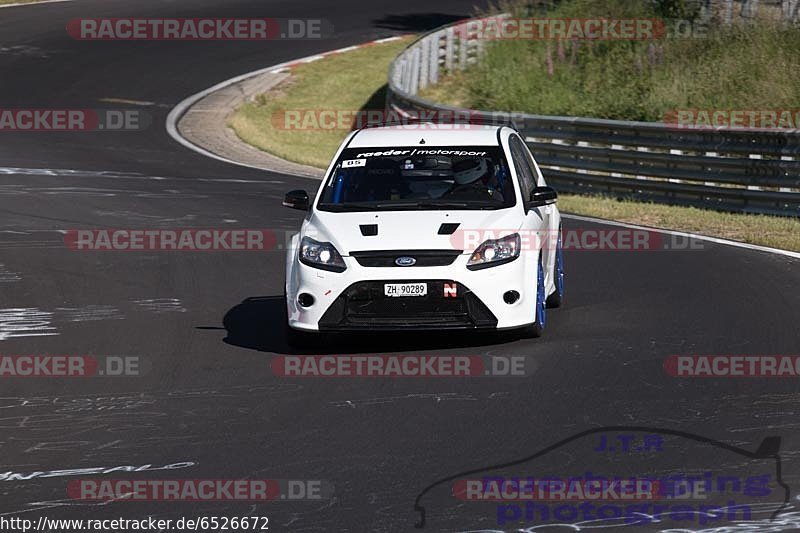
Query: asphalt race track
207	325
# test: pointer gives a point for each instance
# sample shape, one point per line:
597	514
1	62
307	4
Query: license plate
405	289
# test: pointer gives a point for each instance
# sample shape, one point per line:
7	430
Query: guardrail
753	171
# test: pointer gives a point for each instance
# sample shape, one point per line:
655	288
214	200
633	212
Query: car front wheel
537	328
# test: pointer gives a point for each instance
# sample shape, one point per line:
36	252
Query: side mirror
297	199
541	196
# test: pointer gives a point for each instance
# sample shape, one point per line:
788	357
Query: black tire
556	299
536	329
533	331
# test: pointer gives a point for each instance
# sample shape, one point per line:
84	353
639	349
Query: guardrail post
710	154
582	144
462	51
450	36
791	11
615	147
785	158
642	149
749	9
412	89
423	67
433	58
727	12
754	187
673	151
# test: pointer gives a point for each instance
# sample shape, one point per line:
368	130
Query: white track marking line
21	4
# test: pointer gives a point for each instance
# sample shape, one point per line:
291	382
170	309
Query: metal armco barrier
752	171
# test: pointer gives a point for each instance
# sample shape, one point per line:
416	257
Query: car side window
527	179
537	177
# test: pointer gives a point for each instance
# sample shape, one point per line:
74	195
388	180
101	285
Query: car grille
386	258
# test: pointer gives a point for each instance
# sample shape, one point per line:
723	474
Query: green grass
349	81
743	67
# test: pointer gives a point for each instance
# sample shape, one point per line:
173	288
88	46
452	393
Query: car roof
434	135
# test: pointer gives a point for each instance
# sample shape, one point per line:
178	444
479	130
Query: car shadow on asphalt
258	324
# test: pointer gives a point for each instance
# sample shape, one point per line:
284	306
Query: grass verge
350	81
356	80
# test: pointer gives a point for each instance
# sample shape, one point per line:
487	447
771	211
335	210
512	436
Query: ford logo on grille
405	261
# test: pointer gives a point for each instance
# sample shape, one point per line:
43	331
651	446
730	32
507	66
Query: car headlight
322	255
495	252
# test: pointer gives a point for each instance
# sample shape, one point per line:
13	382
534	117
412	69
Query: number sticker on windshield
350	163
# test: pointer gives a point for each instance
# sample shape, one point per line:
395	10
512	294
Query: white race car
426	228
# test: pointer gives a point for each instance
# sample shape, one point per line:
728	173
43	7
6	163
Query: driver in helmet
474	180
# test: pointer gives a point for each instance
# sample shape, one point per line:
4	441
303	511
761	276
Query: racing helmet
470	170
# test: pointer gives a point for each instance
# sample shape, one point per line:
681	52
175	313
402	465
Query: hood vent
448	228
369	230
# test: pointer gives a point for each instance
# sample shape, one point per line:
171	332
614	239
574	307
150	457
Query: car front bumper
354	300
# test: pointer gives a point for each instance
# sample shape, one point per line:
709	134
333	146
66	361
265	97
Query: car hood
411	230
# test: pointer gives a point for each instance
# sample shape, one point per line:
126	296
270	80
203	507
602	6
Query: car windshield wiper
444	204
435	205
348	206
357	206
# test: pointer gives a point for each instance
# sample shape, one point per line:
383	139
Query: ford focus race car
426	229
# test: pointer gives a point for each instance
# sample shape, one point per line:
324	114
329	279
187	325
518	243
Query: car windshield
470	177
